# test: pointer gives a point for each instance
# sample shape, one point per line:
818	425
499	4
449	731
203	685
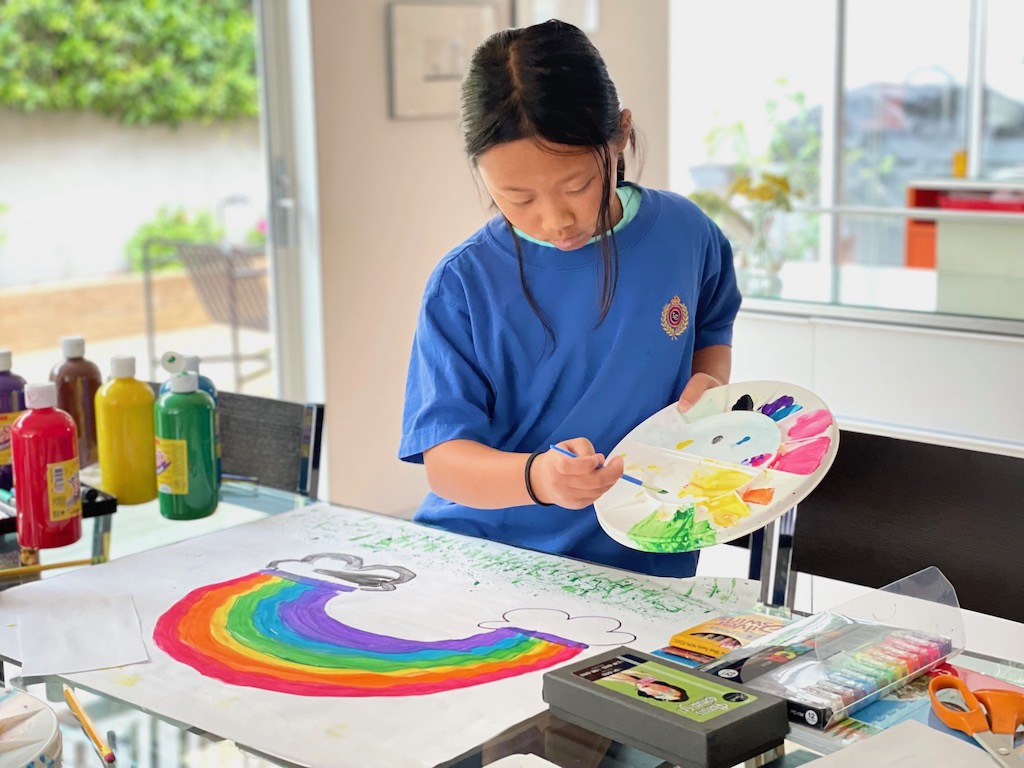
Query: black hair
683	695
549	83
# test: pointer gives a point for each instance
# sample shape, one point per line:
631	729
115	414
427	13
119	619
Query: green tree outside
141	61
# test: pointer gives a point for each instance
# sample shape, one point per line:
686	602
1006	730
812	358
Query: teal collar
629	196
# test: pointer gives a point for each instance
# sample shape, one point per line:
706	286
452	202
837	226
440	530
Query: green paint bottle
186	453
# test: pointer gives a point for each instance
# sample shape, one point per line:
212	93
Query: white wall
77	185
394	197
944	387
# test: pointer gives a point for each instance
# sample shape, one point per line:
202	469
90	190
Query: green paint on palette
667	530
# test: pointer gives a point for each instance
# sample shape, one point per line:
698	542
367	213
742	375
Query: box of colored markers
829	665
716	637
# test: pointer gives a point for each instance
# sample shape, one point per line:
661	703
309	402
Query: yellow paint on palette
128	680
712	482
727	510
337	730
684	444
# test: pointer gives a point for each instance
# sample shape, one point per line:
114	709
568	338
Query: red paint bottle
44	453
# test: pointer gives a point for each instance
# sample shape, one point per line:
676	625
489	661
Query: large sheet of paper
328	636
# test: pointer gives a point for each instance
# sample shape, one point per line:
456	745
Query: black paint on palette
745	403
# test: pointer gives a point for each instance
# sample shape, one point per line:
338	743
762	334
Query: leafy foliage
176	224
142	61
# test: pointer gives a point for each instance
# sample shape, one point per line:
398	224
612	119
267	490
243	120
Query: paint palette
739	458
29	734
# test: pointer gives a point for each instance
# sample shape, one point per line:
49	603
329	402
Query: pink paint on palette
802	459
809	424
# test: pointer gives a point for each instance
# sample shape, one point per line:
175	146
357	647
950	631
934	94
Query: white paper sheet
909	745
463	587
61	635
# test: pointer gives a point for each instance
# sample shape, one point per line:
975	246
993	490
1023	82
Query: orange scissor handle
1005	709
972	721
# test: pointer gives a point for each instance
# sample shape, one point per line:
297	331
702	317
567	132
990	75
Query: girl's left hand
698	384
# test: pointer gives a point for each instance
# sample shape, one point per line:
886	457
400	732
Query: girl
585	306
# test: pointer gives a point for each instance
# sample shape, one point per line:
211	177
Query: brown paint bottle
77	381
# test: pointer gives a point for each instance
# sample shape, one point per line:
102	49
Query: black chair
274	441
889	507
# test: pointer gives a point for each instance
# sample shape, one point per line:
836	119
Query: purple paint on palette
780	408
756	461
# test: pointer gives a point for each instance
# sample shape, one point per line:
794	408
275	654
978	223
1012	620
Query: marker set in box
829	665
850	681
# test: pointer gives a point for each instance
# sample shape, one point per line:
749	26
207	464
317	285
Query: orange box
920	244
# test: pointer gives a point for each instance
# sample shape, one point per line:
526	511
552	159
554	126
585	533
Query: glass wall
830	141
124	122
1003	134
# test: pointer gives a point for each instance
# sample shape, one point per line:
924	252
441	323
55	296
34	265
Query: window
844	106
127	121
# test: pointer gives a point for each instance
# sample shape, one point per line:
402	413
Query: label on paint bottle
172	466
6	421
64	490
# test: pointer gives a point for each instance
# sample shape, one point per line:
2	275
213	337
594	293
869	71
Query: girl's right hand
573	483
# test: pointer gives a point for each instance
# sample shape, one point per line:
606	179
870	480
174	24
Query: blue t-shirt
483	367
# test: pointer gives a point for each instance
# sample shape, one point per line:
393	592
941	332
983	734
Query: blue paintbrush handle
627	478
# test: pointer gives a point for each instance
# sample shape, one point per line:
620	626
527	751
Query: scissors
990	716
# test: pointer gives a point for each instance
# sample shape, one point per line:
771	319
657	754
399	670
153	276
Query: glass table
146	740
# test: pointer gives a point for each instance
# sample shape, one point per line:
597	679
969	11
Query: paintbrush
627	478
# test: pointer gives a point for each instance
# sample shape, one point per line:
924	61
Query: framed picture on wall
429	47
584	14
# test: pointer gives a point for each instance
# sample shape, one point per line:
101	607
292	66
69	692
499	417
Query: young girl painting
585	305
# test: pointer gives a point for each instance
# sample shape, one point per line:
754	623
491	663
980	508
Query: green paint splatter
534	572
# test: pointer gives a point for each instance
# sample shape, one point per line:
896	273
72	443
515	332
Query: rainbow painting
740	457
271	630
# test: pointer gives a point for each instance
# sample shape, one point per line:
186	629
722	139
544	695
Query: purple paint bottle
12	403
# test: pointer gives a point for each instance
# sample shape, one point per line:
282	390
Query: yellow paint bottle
125	434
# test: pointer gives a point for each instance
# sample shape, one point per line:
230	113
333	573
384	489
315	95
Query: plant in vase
745	214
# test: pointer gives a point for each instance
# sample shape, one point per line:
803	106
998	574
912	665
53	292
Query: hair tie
529	487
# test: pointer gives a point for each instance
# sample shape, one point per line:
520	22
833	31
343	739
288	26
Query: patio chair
231	282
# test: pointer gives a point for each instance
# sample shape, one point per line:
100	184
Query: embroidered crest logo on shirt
674	318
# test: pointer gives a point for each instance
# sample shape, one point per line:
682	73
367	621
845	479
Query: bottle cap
41	395
5	360
122	366
172	362
184	382
72	346
192	363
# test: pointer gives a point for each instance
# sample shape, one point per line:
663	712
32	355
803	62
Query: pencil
90	730
25	570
